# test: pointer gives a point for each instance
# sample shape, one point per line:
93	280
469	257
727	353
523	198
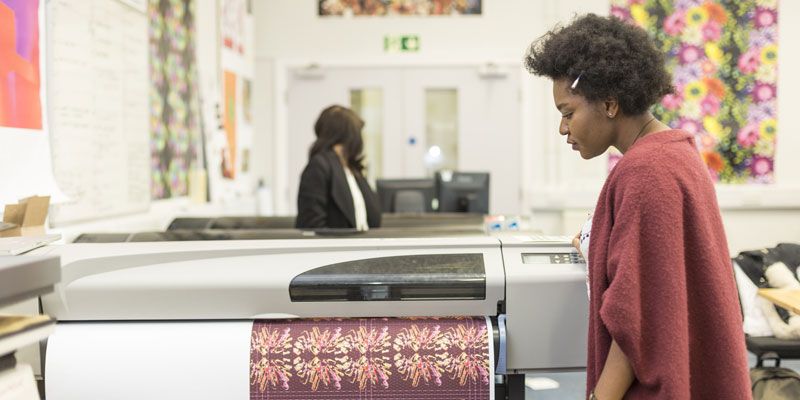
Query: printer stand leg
516	387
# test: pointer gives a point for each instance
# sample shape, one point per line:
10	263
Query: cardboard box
28	216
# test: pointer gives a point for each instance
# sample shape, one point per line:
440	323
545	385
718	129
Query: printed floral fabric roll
371	358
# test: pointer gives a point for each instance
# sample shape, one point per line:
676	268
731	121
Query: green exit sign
400	43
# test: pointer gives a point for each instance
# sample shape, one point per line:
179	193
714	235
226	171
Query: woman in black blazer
326	198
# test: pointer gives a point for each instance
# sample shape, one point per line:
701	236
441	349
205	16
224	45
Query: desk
786	298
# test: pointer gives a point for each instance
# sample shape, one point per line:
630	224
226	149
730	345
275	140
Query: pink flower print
428	366
761	166
763	92
689	54
712	31
317	370
469	365
621	13
710	105
273	367
748	136
690	125
708	67
675	23
758	112
707	142
373	366
672	102
748	62
321	357
425	338
765	17
420	368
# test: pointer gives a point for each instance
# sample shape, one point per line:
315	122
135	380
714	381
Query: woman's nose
563	128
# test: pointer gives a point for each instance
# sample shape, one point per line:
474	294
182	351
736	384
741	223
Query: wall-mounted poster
174	116
723	58
20	104
348	8
233	24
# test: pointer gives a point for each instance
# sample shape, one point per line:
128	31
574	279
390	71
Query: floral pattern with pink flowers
370	358
174	97
382	8
723	58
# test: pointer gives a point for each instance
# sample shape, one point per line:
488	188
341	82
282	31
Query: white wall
291	29
560	187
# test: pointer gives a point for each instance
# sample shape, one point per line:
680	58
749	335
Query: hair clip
575	82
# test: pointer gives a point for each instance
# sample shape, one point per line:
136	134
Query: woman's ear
611	107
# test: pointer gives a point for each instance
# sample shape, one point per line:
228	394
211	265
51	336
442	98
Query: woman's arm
312	196
617	375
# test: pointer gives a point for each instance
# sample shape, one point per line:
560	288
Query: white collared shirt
359	205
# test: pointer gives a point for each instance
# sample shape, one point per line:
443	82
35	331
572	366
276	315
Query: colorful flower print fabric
371	358
724	59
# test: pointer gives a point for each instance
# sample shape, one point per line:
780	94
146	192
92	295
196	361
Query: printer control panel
552	258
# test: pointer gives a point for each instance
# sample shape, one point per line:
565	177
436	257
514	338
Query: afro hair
614	59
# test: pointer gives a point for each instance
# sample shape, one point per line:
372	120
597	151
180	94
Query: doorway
418	120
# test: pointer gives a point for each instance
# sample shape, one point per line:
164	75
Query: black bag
775	383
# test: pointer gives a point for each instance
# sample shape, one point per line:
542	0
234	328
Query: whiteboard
98	90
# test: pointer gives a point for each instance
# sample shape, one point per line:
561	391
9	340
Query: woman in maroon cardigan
664	316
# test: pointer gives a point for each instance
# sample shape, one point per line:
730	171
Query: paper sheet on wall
98	99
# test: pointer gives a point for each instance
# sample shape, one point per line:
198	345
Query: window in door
441	130
368	103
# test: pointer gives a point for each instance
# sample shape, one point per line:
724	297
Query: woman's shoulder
322	158
657	151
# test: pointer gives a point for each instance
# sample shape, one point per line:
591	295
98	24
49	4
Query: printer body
534	287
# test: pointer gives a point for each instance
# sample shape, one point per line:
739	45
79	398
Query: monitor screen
406	195
463	191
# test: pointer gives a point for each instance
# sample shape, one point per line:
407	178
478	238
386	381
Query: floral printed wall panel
174	106
723	57
398	7
371	358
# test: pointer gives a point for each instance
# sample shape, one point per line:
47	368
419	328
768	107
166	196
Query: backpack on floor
775	383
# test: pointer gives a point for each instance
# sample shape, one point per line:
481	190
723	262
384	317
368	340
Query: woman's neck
339	150
635	128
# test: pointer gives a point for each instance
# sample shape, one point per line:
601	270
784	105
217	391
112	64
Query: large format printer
158	320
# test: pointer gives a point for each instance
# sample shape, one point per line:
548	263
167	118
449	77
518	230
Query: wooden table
786	298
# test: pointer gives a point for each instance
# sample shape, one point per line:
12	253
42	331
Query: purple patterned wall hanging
174	109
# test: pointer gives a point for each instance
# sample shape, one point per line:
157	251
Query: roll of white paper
149	360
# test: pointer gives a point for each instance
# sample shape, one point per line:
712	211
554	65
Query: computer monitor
406	195
463	191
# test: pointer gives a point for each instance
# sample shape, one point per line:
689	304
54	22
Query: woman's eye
567	116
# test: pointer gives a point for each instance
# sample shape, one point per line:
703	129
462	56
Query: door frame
282	69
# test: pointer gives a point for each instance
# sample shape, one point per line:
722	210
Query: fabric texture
371	358
324	199
662	285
